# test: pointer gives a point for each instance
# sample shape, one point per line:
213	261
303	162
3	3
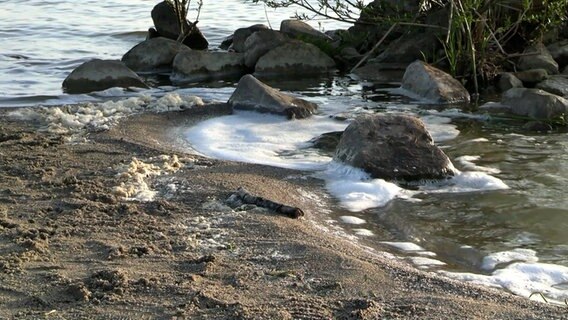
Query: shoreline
73	249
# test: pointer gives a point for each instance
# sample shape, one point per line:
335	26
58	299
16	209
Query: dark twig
246	198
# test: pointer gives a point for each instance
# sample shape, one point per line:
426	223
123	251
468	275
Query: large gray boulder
300	30
156	54
97	75
251	94
433	84
294	58
260	42
555	84
535	103
393	147
241	35
166	24
538	57
197	65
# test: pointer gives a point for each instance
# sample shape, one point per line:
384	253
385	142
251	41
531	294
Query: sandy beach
73	247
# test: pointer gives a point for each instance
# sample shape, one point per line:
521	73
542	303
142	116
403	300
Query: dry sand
72	248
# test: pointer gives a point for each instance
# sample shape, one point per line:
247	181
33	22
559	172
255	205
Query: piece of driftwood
246	198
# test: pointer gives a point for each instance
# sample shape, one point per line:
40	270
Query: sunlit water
470	225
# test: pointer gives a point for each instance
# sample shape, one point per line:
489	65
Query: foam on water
352	220
524	279
101	116
404	246
468	162
263	138
356	190
273	140
494	259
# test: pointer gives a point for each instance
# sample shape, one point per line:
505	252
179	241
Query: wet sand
72	248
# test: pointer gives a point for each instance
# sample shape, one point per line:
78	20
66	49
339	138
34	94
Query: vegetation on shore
479	37
181	9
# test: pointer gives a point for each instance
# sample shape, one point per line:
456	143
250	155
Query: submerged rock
538	58
294	58
260	42
433	84
327	141
97	75
251	94
536	104
156	54
194	65
393	147
166	24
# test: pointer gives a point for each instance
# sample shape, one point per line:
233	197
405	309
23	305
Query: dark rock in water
409	48
559	52
166	24
393	147
300	30
507	81
152	33
241	35
381	72
251	94
226	43
537	126
538	58
433	84
555	84
535	104
327	141
260	42
156	54
495	108
194	65
532	76
294	58
97	75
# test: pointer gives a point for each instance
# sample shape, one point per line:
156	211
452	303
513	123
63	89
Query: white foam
363	232
404	246
492	260
440	128
134	177
352	220
467	163
273	140
262	138
423	261
469	181
101	116
355	190
524	279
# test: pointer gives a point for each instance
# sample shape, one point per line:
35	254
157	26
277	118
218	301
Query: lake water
501	222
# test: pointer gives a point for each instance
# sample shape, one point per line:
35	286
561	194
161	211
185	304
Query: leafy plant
480	35
181	9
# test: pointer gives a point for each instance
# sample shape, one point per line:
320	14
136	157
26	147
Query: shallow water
458	225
